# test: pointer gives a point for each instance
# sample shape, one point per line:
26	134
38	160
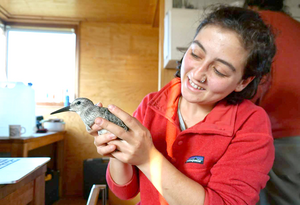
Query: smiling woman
192	142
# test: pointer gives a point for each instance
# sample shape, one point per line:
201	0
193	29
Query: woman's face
218	56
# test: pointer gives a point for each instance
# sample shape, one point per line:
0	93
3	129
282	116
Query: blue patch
195	159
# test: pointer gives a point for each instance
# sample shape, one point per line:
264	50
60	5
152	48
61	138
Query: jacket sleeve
131	189
242	171
126	191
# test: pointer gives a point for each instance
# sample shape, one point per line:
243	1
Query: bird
88	112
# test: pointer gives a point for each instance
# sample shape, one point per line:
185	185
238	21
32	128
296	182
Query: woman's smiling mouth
194	85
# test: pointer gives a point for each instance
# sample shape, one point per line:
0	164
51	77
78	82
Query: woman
198	140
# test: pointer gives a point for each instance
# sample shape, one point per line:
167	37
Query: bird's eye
78	103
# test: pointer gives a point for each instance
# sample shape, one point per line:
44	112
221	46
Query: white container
54	126
17	107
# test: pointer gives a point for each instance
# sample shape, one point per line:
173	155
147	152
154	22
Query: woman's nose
199	72
203	79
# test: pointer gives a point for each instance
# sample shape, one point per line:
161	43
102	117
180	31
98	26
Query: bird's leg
88	128
101	132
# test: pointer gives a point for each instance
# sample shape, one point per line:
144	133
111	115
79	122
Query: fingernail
112	136
98	121
112	147
111	107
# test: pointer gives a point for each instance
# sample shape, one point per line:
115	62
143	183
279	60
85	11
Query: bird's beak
64	109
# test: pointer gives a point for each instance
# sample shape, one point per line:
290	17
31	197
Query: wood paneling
118	65
116	11
30	190
24	195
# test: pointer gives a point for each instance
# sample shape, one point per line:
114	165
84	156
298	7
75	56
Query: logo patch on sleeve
195	159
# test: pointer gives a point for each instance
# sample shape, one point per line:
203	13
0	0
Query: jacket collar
221	120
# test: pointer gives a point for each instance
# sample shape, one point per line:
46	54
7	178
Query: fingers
130	121
101	143
111	127
95	128
119	144
99	104
106	150
104	139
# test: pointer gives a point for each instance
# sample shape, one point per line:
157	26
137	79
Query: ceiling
113	11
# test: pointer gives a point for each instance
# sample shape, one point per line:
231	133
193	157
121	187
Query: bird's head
78	105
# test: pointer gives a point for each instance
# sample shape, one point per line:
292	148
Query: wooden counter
20	146
30	190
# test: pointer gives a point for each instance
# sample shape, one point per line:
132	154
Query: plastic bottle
17	107
67	99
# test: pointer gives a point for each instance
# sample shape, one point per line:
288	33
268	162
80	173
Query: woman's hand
101	141
102	144
135	146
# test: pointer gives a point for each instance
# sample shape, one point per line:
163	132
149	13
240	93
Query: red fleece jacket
229	153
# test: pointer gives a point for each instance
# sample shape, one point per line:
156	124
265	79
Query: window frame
54	26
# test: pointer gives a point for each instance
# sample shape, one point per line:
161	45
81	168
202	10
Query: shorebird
88	112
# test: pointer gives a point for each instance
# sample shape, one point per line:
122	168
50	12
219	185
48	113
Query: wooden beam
7	17
155	22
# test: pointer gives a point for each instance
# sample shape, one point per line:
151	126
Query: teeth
195	86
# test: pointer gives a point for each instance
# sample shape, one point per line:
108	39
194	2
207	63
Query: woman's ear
243	83
253	8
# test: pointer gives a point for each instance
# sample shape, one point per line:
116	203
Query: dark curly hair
273	5
256	37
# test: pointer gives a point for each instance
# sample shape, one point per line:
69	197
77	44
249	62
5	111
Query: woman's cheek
216	85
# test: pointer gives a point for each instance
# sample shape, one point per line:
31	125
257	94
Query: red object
234	140
282	100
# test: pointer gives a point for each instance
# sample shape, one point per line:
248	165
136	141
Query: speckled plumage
88	112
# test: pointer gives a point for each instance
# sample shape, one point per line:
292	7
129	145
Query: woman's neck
192	113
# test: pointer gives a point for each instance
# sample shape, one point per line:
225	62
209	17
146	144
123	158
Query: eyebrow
226	63
218	59
200	45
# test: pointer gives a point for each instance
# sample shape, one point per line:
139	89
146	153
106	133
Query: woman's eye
218	72
194	55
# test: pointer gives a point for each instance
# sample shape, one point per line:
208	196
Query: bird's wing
90	114
112	118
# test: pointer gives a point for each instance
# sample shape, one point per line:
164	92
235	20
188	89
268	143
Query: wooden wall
118	65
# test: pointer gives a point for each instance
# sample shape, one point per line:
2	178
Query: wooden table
30	190
20	146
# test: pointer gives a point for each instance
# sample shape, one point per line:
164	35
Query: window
45	57
2	52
